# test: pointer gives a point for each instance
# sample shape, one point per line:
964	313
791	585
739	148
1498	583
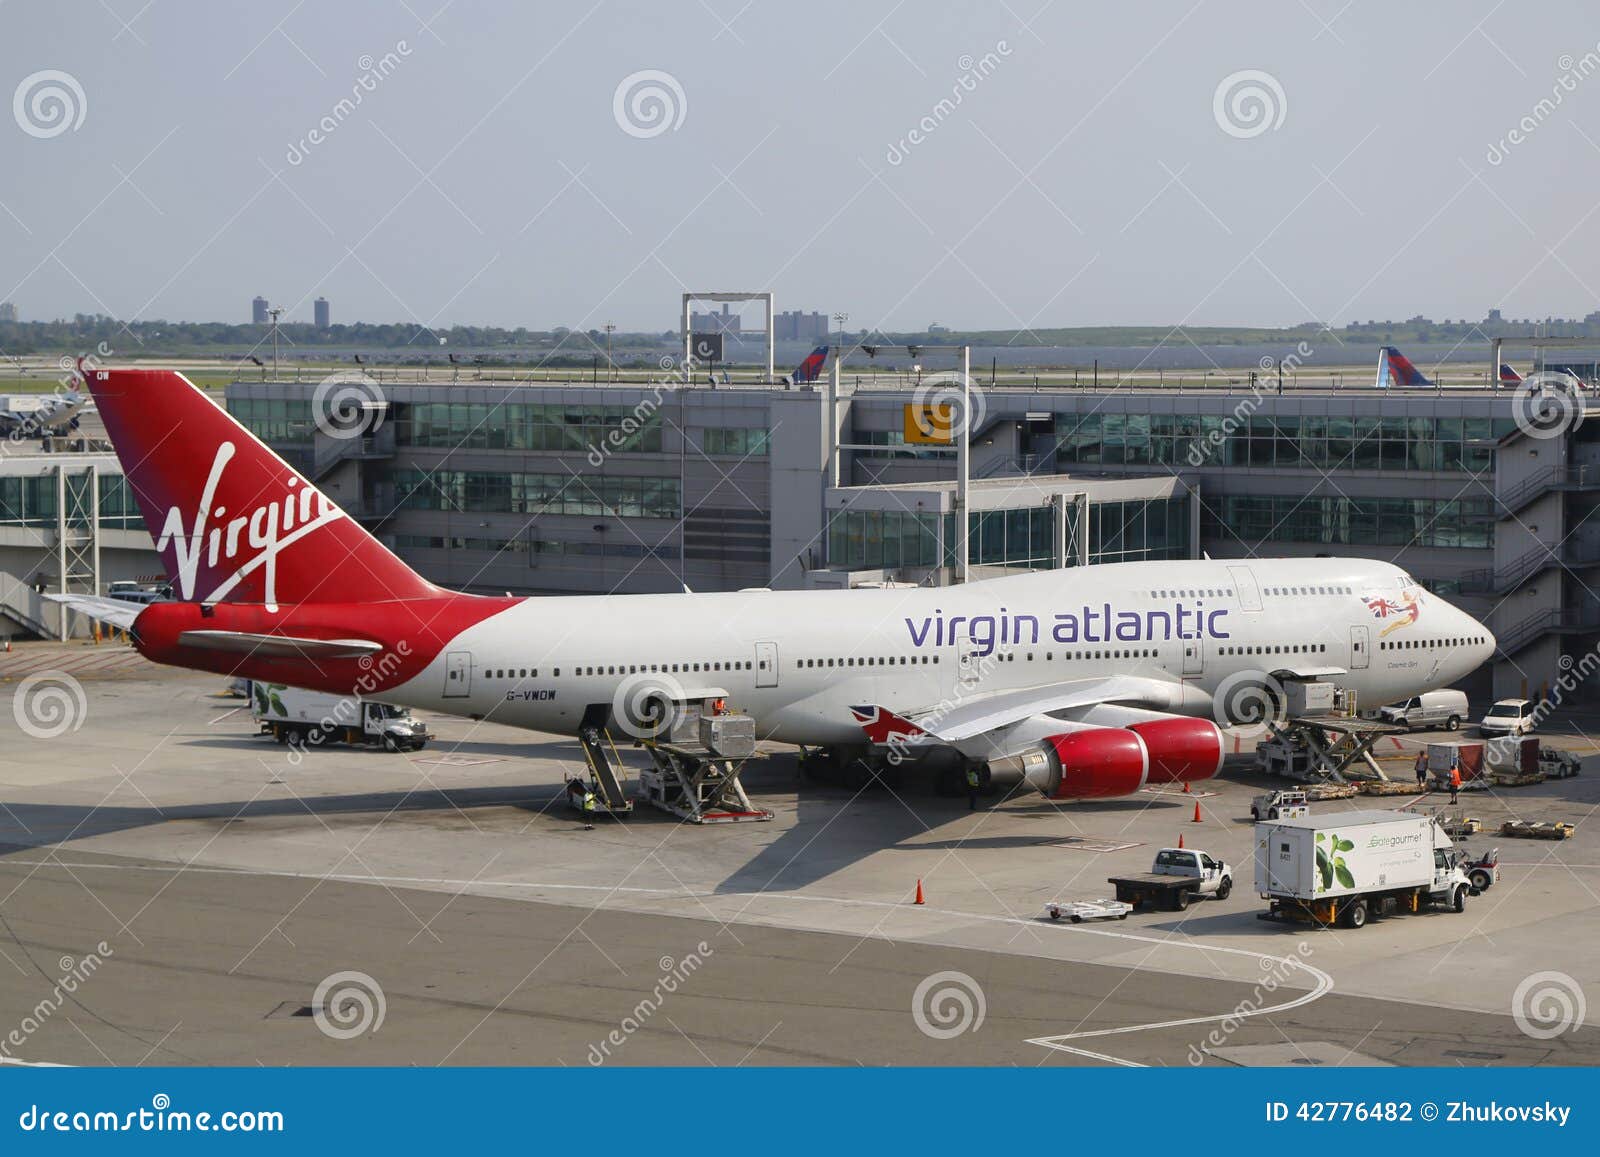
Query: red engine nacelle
1098	763
1182	750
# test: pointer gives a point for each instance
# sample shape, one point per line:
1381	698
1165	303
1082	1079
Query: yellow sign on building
930	423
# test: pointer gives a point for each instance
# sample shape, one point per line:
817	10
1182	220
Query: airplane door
457	674
1360	644
968	671
1244	584
1194	656
766	664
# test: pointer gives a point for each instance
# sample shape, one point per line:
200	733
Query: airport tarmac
227	880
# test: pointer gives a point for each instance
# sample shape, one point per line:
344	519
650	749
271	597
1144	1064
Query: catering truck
1348	866
315	718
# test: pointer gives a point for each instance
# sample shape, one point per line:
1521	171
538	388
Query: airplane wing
114	611
981	714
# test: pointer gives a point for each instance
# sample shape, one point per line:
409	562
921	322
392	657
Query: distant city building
795	325
1494	318
320	309
258	311
936	328
725	322
8	311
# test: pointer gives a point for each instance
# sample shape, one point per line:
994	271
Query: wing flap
977	715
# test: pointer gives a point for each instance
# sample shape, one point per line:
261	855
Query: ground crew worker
1455	778
974	782
1422	769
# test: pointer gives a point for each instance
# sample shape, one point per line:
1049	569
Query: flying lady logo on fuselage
267	528
1405	612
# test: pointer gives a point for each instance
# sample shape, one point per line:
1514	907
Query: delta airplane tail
1395	369
811	368
1508	376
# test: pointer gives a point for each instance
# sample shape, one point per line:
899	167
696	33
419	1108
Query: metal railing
1500	580
1583	477
1514	638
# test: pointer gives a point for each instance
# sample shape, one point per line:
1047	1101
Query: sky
1007	165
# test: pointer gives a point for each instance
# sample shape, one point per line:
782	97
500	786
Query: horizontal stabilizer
278	646
118	613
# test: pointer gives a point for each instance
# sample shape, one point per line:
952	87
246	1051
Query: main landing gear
858	768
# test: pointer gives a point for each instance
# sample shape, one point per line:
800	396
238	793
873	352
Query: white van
1430	709
1509	717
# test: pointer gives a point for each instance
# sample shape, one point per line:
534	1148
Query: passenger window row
1426	643
1278	649
1301	592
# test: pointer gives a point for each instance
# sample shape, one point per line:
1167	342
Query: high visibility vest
973	778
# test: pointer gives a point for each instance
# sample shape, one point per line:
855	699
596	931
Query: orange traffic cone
1185	787
1180	839
919	899
1197	818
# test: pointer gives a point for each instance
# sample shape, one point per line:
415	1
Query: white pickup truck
1177	876
290	714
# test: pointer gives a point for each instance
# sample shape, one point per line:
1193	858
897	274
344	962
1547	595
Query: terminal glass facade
1341	521
1322	442
528	426
31	501
515	493
276	421
1025	537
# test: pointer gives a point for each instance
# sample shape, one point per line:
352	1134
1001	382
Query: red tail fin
232	521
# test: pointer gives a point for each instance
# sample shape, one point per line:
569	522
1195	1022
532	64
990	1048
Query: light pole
841	318
273	314
611	366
